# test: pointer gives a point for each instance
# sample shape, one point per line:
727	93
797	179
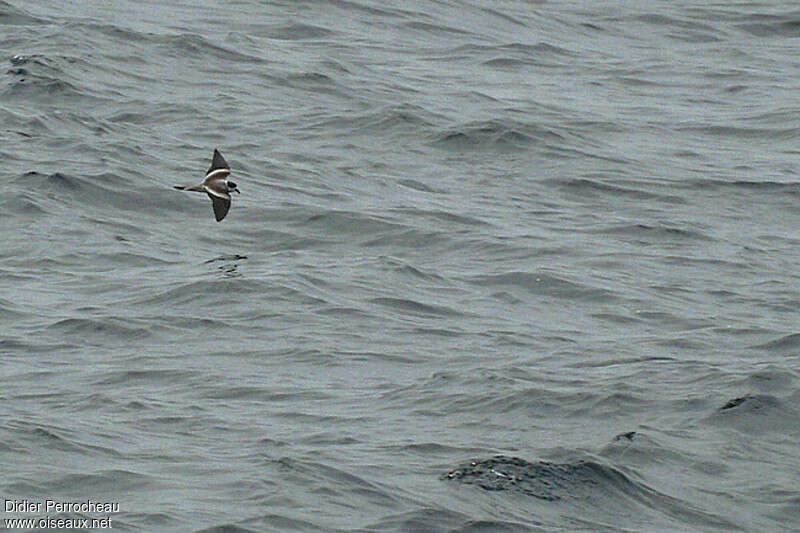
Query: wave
495	134
602	486
14	16
545	284
758	413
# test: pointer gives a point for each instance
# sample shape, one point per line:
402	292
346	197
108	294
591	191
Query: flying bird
216	185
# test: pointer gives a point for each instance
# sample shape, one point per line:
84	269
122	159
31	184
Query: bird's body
216	185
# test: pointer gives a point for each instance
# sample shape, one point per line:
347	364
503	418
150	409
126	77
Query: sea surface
496	266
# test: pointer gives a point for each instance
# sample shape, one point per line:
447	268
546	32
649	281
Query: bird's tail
195	188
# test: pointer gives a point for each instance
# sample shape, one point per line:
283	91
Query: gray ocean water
496	265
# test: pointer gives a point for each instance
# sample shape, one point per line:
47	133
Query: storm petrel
216	185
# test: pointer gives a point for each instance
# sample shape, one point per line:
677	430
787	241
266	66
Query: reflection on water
229	267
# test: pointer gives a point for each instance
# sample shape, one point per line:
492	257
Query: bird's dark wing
217	163
221	204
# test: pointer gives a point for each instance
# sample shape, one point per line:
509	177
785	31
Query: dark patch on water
543	480
625	436
757	413
604	488
19	60
58	179
32	87
233	257
733	403
419	186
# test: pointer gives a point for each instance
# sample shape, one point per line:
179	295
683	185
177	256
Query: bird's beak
237	191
